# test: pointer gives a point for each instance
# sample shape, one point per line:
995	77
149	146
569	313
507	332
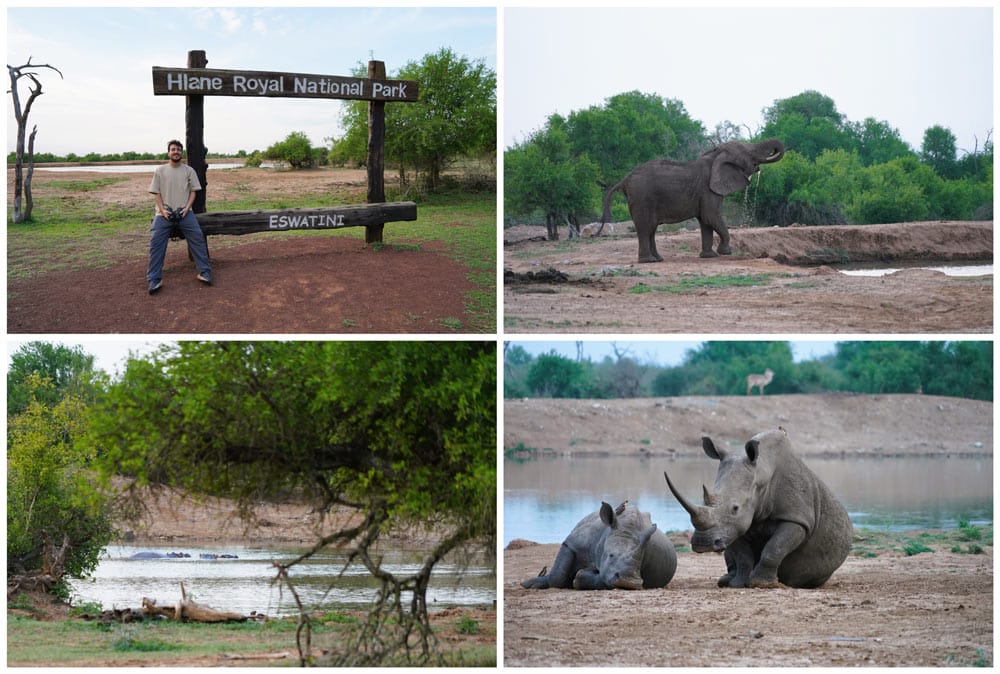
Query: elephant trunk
771	150
701	516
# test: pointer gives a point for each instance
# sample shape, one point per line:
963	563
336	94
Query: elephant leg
647	242
712	224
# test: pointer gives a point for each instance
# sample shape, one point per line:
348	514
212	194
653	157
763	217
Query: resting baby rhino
775	520
612	548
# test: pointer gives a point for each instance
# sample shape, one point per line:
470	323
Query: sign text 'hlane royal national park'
216	82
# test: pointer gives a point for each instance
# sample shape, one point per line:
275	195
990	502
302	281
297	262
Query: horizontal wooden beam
291	219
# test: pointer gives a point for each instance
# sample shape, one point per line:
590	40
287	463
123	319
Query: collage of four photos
500	336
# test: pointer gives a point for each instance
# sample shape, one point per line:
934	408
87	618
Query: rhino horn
710	498
700	515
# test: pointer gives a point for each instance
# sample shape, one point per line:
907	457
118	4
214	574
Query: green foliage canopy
960	369
402	429
48	486
67	370
455	116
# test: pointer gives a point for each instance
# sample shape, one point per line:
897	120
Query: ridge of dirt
777	294
821	424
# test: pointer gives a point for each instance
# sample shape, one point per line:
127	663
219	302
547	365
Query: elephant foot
725	250
725	580
761	582
708	253
651	258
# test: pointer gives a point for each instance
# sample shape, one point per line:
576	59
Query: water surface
544	499
245	584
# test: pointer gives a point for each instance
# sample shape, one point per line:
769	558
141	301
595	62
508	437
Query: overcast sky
106	104
912	68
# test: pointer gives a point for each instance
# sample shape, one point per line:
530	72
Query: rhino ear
608	515
752	449
709	447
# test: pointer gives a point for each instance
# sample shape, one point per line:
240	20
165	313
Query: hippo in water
149	554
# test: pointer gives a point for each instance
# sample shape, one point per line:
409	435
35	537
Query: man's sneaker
205	278
155	287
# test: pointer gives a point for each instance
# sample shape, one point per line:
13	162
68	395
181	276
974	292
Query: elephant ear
729	173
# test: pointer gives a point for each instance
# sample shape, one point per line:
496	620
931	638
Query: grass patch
686	285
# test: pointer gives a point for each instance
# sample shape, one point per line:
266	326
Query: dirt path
931	609
595	285
305	282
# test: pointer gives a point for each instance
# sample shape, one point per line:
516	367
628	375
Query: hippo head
621	558
739	491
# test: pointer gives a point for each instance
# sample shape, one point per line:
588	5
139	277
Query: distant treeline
49	158
958	369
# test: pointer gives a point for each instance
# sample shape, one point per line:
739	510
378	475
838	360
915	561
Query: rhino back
831	535
659	562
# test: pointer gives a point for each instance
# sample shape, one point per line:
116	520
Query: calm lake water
947	269
544	499
244	584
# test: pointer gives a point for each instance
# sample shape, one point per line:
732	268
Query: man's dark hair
177	143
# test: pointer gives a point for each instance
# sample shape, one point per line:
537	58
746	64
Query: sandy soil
930	609
586	285
306	282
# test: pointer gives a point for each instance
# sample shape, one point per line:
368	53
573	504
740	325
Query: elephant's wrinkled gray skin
665	192
617	548
774	519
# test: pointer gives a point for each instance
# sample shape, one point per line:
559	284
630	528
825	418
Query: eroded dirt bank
762	288
824	424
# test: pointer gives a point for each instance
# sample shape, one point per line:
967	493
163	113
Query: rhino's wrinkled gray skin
774	519
616	548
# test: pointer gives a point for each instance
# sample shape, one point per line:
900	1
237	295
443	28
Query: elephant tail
606	216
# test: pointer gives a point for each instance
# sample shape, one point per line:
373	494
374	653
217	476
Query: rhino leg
588	579
562	573
787	537
739	564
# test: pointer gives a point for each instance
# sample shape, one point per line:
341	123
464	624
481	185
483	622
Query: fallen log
187	610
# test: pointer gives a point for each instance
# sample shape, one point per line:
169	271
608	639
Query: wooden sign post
197	81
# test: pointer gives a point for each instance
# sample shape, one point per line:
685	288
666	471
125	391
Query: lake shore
900	599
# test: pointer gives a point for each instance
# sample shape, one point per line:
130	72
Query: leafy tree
632	128
295	149
403	432
455	116
807	123
542	176
878	142
49	491
553	376
939	152
67	369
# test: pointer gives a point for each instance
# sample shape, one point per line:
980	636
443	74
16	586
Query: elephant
775	520
663	191
616	548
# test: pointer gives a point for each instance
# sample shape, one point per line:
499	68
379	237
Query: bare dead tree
22	183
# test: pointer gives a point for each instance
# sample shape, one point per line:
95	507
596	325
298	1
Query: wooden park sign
208	82
197	81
